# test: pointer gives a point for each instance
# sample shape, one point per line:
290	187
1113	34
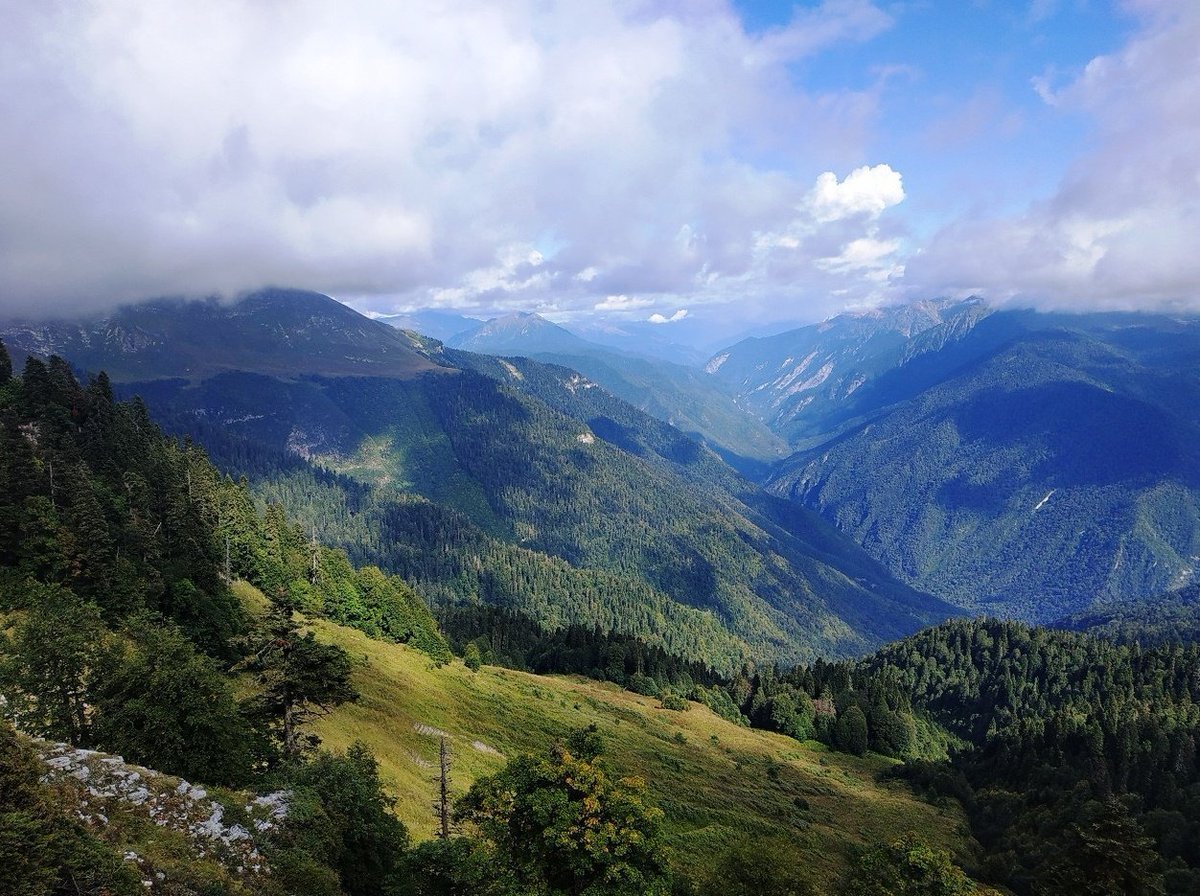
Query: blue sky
702	161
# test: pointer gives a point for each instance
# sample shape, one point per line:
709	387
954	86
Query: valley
501	550
551	448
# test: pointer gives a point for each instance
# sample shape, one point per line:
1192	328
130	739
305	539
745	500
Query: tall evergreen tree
299	679
6	367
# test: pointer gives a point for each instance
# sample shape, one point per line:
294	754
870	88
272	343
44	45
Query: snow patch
715	364
1042	503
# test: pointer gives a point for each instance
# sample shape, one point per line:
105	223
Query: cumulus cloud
663	319
475	155
838	235
1120	230
865	191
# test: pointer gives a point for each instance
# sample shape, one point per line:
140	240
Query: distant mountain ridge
806	383
587	522
430	322
518	333
278	332
1021	463
682	396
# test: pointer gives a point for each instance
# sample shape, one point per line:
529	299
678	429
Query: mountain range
592	511
681	395
1007	461
1020	463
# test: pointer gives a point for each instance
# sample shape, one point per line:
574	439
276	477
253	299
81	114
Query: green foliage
95	499
455	867
164	705
560	825
298	678
472	657
762	866
342	819
1104	853
850	735
53	663
675	702
1054	726
907	867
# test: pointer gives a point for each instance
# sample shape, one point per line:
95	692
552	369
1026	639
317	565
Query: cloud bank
626	159
1121	231
471	154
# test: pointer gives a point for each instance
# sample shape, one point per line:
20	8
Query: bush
341	818
472	658
674	702
850	733
644	685
906	867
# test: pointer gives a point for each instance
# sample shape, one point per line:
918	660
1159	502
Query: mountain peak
518	333
282	332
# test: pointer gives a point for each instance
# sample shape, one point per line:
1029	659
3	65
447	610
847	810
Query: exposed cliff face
163	825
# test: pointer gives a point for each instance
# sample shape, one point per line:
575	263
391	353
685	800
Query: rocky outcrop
228	827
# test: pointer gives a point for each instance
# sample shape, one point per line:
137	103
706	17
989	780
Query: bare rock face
227	827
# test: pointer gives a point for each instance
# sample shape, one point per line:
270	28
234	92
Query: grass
718	784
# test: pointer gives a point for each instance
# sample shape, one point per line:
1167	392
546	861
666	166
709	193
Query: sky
732	163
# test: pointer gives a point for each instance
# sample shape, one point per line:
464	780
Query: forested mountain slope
682	396
1074	756
1016	462
127	623
658	545
1059	468
810	383
1083	763
120	632
1173	617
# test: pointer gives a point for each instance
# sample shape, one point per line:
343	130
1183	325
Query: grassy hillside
719	784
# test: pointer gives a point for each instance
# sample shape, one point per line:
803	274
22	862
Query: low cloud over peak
602	159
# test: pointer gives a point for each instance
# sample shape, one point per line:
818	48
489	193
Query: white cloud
421	151
622	303
865	191
865	253
663	319
812	29
1120	231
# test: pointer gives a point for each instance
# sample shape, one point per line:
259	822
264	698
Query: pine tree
300	680
6	367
